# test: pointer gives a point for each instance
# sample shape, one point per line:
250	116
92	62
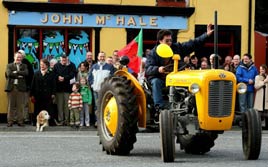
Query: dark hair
85	64
264	66
124	60
248	55
77	85
45	61
193	57
162	33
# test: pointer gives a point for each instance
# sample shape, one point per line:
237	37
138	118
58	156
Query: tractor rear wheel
251	134
117	115
167	136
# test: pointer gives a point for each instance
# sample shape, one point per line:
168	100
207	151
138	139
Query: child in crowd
82	71
86	94
75	105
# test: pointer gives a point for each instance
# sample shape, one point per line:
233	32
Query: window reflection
53	44
27	40
73	42
77	45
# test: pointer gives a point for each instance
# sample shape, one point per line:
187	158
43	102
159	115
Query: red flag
133	51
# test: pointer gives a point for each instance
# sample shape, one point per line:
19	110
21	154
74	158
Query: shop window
78	41
149	37
28	40
52	43
229	41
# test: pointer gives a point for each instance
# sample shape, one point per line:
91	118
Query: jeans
157	86
84	114
246	101
95	94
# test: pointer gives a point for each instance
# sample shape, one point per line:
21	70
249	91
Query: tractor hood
187	77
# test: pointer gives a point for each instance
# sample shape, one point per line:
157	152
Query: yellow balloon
163	50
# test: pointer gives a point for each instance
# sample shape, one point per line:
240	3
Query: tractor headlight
194	88
241	88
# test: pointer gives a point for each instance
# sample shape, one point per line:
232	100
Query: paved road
81	148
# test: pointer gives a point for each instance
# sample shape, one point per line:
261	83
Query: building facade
46	28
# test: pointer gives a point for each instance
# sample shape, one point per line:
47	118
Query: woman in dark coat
43	90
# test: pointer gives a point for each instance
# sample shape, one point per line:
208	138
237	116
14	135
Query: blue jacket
154	61
98	73
244	73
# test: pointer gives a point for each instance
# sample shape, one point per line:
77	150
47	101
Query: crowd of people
70	94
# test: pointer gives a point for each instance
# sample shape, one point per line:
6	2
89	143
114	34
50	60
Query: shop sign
97	20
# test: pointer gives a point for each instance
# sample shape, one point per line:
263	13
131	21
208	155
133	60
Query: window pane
78	42
53	44
28	40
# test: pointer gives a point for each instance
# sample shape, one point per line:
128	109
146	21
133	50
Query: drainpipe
249	25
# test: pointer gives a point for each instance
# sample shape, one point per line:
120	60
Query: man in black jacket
43	91
64	71
155	65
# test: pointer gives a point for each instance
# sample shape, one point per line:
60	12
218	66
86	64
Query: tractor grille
220	98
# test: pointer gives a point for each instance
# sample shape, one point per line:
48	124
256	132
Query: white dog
42	120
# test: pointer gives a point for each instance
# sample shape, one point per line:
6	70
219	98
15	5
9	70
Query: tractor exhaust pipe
216	63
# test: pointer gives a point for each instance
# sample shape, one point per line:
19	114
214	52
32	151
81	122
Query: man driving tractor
155	65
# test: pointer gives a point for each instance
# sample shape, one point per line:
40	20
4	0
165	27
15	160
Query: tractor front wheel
167	136
117	116
251	134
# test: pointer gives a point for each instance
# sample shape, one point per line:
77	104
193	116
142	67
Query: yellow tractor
201	107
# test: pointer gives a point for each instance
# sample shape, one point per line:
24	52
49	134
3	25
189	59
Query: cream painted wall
4	56
234	14
109	42
123	2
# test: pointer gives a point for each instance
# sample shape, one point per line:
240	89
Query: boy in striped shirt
75	105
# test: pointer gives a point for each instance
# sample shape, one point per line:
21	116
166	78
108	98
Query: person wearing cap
16	87
246	73
29	79
64	72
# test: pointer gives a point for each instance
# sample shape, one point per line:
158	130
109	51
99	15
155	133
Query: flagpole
141	55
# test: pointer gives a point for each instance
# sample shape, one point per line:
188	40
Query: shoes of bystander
9	124
21	124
